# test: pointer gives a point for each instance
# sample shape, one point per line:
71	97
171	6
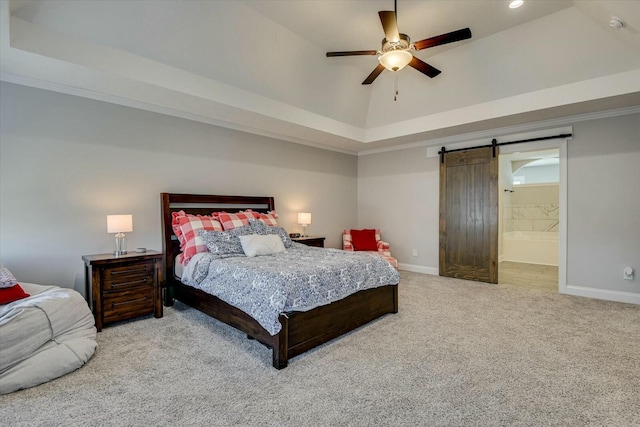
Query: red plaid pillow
269	218
186	227
230	221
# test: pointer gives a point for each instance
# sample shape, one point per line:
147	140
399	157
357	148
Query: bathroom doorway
529	219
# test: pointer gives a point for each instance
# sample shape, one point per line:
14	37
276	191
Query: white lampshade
119	223
395	60
304	218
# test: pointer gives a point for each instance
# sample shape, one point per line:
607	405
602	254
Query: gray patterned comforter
299	279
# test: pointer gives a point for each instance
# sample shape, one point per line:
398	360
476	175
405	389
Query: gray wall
398	191
604	203
67	162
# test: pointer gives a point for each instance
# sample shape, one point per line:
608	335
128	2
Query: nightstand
310	241
123	287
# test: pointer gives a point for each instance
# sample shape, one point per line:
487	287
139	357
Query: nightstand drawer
127	304
128	277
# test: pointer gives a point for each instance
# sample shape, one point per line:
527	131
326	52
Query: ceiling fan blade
375	73
424	68
389	25
454	36
353	53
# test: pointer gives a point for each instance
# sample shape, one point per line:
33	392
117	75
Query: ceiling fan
395	52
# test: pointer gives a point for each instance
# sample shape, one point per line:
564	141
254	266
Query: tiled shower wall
540	217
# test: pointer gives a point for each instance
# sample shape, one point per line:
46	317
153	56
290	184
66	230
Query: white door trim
561	145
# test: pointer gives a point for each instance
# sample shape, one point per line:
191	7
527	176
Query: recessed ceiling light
516	4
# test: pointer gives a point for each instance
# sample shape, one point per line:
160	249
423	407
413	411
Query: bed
44	336
298	331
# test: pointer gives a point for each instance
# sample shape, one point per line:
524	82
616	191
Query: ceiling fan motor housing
403	44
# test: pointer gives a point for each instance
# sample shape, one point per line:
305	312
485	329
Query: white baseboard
580	291
619	296
418	269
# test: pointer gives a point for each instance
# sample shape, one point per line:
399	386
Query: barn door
469	215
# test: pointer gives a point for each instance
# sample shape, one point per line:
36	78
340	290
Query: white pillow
7	279
256	245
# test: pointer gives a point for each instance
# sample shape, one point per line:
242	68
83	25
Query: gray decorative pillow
225	244
7	279
263	229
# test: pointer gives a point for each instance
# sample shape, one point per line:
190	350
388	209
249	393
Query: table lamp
304	219
120	224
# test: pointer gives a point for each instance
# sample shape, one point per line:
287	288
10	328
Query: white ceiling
260	66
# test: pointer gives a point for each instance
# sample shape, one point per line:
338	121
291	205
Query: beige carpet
458	354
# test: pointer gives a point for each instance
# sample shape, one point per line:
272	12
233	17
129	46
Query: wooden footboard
301	331
308	329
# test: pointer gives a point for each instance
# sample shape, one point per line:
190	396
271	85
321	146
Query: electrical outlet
628	273
415	252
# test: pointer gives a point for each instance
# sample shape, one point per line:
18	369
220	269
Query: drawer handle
113	273
115	304
117	285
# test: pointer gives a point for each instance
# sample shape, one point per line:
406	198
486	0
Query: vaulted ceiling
260	66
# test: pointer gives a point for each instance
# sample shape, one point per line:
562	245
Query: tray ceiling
260	66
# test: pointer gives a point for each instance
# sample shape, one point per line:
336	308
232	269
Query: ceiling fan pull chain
395	97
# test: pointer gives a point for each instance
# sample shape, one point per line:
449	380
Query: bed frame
301	331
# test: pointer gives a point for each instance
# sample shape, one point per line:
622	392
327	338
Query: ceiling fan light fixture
395	60
395	53
516	4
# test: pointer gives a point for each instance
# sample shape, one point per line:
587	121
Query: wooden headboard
204	205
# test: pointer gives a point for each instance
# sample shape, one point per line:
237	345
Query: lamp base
121	244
